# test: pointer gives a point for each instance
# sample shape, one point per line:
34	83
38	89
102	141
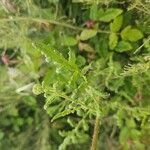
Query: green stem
95	133
49	21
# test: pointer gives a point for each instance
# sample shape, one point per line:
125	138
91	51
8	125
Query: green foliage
87	34
94	12
123	46
131	34
109	14
65	63
116	24
69	41
113	40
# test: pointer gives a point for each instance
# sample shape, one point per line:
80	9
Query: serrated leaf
123	46
56	57
113	40
49	101
74	78
87	34
52	110
62	114
131	34
110	14
116	24
48	78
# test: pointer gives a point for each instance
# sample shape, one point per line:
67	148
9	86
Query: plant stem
95	133
40	20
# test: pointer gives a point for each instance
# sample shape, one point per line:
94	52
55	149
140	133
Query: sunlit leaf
110	14
113	40
87	34
131	34
116	24
69	41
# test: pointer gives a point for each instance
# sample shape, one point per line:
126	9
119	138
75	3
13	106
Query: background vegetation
74	74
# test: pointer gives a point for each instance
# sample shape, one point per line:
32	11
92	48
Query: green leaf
94	12
113	40
130	123
49	77
49	101
131	34
71	122
125	33
81	61
123	46
74	78
109	14
135	35
85	125
103	46
55	56
124	135
135	134
62	114
69	41
116	24
87	34
86	47
72	57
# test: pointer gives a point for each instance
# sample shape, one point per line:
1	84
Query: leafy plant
89	64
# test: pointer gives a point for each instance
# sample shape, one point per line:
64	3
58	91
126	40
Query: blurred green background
24	124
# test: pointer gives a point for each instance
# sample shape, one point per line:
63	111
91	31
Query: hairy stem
95	133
